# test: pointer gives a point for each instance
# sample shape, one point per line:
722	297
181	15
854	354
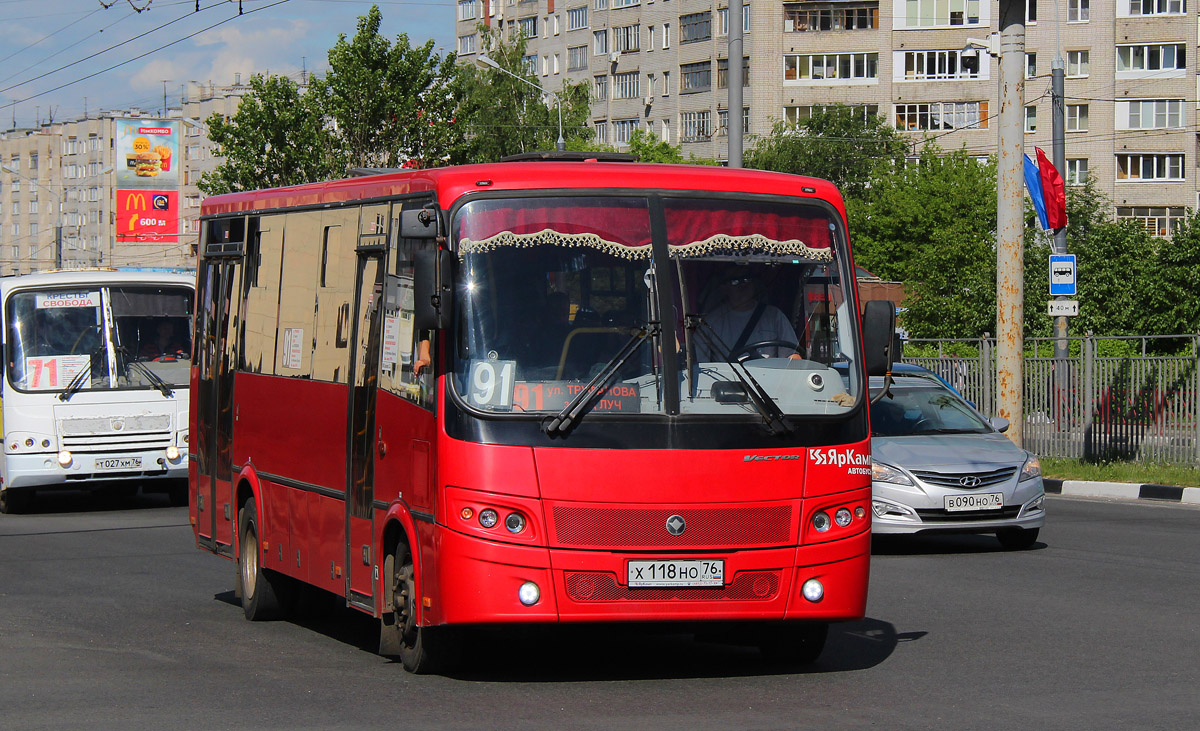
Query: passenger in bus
745	318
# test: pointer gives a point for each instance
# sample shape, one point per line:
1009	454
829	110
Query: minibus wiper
772	415
576	407
76	383
155	380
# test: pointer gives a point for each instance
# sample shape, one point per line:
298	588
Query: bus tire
14	501
422	650
177	495
794	643
259	586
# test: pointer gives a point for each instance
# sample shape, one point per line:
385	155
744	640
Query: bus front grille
635	527
123	442
588	586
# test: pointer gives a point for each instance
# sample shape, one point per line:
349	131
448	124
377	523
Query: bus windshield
89	337
555	290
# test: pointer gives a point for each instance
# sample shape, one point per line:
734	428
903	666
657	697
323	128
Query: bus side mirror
433	301
878	327
419	223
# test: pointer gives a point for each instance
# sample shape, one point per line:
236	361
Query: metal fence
1088	405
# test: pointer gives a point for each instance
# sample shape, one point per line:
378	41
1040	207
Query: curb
1122	490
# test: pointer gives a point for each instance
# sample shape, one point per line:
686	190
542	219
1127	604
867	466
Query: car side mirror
878	329
999	423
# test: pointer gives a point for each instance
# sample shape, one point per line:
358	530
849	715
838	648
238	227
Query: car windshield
553	291
98	338
921	406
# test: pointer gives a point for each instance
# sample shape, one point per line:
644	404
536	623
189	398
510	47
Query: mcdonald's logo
135	202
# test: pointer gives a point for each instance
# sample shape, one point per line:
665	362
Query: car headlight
881	472
1032	469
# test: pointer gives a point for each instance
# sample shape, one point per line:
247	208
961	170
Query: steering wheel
82	333
749	348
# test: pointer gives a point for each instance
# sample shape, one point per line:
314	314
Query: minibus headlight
515	522
529	593
172	453
821	522
842	517
64	458
488	518
813	590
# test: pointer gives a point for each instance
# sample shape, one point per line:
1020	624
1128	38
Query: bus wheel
260	599
177	495
794	644
422	650
14	501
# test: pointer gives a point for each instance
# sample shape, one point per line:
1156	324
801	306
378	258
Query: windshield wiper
76	383
155	380
772	415
576	407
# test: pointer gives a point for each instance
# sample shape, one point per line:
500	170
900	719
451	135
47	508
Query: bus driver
743	318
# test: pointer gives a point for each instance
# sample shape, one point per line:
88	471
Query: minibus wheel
422	650
259	597
14	501
794	643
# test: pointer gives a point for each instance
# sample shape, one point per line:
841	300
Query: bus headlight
529	593
64	458
172	453
813	590
821	522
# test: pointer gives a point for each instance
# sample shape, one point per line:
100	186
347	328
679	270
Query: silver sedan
940	466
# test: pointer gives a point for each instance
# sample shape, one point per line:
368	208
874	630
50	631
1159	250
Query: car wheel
1017	539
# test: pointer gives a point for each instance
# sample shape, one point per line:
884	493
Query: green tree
277	137
647	147
391	104
837	143
503	116
1170	303
932	225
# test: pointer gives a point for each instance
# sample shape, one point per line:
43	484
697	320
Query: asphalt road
111	618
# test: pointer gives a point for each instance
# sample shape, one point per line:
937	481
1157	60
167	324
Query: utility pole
1058	151
736	130
1010	225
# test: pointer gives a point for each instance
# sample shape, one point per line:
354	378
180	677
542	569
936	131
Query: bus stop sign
1062	274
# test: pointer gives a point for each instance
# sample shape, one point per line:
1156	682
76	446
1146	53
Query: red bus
538	392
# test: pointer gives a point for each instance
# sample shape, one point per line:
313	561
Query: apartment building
662	66
60	188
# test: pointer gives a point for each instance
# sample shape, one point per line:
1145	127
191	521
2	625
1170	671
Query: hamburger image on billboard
148	147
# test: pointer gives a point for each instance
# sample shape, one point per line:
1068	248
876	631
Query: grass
1137	472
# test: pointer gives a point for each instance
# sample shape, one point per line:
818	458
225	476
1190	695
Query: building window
577	18
666	35
1031	12
623	130
797	114
600	42
664	132
1151	7
1077	118
723	72
1160	221
529	64
934	66
627	85
1077	64
942	116
466	9
695	126
1077	170
1030	65
1141	61
577	57
723	20
942	13
466	44
1030	119
627	38
695	77
600	5
528	26
625	3
601	88
848	16
601	128
1150	114
1078	11
695	27
830	66
1149	167
666	83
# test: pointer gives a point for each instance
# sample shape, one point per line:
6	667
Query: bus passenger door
368	308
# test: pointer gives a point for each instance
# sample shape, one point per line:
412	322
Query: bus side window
406	368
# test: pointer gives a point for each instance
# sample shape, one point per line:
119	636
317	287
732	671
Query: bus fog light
529	593
821	522
488	518
860	513
64	458
172	453
515	522
813	590
842	517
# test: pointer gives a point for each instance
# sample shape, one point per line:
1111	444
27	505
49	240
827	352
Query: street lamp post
485	61
58	219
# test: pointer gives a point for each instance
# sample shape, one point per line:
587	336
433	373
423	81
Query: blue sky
109	57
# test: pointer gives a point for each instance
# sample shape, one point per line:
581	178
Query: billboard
148	153
147	215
